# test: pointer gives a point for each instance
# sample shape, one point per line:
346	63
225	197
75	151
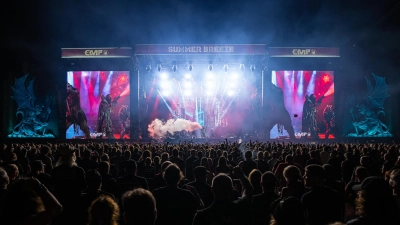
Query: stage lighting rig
159	67
252	68
241	67
226	68
174	68
210	67
190	66
148	68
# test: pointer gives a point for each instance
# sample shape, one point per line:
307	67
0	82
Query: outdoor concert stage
197	91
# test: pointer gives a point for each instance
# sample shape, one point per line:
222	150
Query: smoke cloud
159	129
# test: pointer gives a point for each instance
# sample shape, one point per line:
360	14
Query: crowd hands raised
211	183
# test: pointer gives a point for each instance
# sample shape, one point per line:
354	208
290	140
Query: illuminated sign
96	52
259	49
303	52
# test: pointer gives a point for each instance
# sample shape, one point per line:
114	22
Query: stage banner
303	52
75	53
166	49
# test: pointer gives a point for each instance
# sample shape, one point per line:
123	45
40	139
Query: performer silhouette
309	119
75	114
276	113
104	122
124	120
329	117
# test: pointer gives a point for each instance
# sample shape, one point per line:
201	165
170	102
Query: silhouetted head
108	98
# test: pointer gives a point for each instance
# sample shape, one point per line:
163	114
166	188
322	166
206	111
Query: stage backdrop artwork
365	115
301	104
33	114
98	105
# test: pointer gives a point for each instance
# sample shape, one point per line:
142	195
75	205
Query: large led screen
308	102
97	105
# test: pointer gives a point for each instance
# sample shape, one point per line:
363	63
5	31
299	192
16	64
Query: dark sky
368	31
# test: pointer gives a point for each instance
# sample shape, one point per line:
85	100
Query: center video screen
97	105
308	98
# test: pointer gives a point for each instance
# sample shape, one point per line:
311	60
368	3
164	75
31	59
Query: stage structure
217	86
97	98
205	92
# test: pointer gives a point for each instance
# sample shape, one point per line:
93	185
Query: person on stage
75	113
329	117
124	120
104	123
309	120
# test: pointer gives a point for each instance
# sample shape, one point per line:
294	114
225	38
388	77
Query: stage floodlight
174	68
210	85
166	84
210	76
164	76
190	67
241	67
210	67
188	76
252	68
231	93
235	76
187	84
148	68
159	67
226	68
187	92
209	93
165	92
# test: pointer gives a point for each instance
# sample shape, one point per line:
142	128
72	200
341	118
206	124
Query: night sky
41	27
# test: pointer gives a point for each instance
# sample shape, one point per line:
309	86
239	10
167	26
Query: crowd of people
200	183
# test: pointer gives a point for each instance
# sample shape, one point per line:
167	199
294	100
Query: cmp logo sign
306	51
96	52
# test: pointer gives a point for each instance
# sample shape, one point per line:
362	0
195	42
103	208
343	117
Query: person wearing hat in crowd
130	181
201	186
37	171
375	203
69	181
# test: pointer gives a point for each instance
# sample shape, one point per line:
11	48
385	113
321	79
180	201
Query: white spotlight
210	76
241	67
187	92
232	84
164	76
187	84
210	85
210	67
165	92
209	93
190	67
226	68
235	76
188	76
159	67
230	93
165	85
